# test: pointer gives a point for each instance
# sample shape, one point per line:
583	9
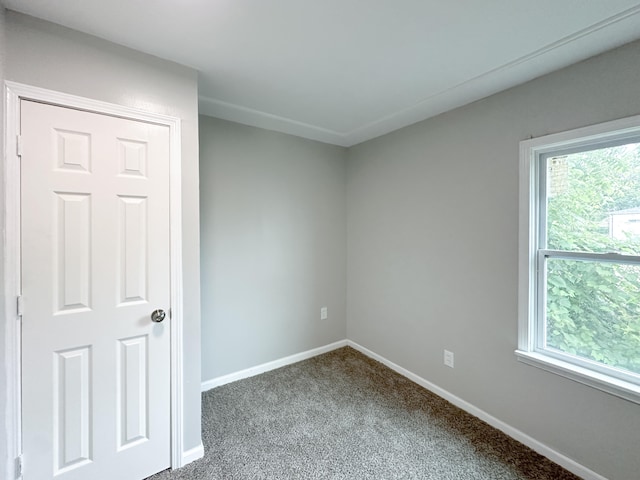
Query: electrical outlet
324	313
448	358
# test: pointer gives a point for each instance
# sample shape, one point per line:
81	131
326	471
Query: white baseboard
265	367
193	454
514	433
542	449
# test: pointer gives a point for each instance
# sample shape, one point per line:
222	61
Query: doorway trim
14	94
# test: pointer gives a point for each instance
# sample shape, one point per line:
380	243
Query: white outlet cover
324	313
448	358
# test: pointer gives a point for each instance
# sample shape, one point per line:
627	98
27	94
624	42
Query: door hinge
19	145
19	467
19	305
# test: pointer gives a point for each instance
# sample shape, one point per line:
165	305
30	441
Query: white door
95	265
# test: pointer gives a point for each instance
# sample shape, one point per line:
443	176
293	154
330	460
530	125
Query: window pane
593	311
593	200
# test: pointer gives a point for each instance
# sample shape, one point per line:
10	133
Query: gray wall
273	228
46	55
433	257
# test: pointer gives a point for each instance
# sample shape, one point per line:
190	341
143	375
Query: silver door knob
158	316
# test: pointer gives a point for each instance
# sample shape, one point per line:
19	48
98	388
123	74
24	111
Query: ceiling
345	71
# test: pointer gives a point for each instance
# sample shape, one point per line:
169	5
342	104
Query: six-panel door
95	250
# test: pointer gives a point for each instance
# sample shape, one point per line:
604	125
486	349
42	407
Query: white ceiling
345	71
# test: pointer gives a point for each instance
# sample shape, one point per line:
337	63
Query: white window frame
531	281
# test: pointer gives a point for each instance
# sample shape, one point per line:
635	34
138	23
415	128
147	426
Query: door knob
158	316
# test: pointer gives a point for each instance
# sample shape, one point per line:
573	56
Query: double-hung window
579	279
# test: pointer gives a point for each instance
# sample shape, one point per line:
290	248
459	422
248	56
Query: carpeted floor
342	415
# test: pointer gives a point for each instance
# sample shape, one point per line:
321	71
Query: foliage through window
582	254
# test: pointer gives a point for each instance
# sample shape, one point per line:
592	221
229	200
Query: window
579	303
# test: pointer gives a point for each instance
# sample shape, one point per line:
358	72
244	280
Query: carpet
342	415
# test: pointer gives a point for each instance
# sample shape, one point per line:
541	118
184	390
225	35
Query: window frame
533	253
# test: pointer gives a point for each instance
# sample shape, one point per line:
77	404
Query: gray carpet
342	415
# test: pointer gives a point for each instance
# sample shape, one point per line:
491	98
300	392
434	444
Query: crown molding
256	118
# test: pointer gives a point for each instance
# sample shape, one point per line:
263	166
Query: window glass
593	311
593	200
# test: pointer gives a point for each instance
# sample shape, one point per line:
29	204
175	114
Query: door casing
14	94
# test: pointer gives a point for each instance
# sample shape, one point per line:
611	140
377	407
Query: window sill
614	386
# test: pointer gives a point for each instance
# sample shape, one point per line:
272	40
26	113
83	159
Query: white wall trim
256	118
12	282
265	367
514	433
192	454
15	92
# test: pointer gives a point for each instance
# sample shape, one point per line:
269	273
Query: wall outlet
324	313
448	358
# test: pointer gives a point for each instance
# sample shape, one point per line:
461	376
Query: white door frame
15	92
